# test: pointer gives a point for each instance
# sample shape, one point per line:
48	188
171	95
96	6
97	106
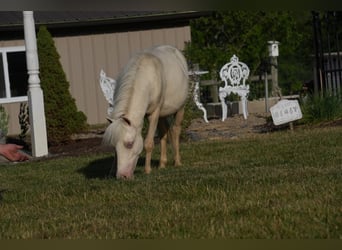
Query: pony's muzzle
122	173
126	175
126	172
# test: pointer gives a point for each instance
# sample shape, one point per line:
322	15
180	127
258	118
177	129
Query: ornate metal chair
234	74
108	86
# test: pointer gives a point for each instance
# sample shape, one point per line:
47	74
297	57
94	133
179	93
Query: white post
35	93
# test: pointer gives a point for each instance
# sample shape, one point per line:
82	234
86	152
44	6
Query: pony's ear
109	119
126	120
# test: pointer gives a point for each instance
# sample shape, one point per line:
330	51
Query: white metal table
195	74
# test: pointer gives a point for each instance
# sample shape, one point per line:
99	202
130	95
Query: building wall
83	57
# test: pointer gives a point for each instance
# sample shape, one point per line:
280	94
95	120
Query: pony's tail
182	61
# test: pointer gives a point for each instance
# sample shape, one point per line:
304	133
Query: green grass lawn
280	185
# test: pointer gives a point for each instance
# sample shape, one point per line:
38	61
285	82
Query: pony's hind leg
163	128
175	134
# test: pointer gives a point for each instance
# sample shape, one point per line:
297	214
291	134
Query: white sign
286	111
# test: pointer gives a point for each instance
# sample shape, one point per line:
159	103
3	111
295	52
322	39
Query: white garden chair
234	74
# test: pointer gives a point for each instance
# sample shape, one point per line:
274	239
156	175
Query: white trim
12	49
6	76
9	98
13	99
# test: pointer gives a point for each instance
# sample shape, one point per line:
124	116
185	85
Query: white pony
153	83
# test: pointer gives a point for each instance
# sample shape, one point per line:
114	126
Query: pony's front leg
149	140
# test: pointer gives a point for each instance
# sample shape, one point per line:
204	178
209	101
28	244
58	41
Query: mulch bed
233	128
79	147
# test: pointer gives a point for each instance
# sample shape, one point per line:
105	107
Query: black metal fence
257	87
328	57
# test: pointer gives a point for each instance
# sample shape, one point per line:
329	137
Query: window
13	75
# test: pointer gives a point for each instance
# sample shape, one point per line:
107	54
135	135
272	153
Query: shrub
24	120
318	108
62	117
190	112
3	123
215	38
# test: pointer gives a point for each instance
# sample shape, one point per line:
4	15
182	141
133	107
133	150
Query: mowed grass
274	186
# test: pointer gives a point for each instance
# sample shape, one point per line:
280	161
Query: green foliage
4	119
275	186
24	120
318	108
62	117
191	112
246	33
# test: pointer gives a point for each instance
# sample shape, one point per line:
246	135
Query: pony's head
128	144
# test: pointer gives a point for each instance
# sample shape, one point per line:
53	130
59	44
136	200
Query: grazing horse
154	83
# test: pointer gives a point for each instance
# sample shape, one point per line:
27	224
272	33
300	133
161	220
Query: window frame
9	98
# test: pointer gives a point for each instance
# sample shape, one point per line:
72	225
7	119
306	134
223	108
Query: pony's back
167	51
175	71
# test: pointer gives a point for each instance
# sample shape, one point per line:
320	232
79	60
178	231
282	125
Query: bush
62	117
318	108
190	112
24	120
4	118
215	38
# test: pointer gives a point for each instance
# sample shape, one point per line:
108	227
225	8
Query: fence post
274	53
266	92
319	57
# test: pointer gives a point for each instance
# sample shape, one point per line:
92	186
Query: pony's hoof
178	164
148	170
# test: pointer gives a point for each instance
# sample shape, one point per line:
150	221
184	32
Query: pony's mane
124	86
112	133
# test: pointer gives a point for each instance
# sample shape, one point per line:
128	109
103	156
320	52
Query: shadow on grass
98	169
101	168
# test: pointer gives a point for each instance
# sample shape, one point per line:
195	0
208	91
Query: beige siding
145	38
123	49
134	42
100	54
109	62
12	110
82	58
12	43
158	37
